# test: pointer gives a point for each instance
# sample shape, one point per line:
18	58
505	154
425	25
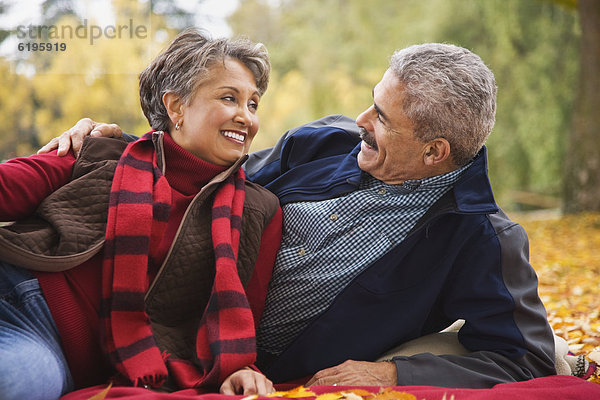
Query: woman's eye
228	98
253	105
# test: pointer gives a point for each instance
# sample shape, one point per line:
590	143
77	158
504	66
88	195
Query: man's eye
376	109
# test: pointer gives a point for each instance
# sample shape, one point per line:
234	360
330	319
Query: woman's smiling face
220	121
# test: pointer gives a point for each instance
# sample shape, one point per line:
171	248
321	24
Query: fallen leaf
101	395
350	394
390	394
295	393
594	356
564	254
330	396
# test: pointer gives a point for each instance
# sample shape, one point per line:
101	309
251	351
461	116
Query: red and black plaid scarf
137	217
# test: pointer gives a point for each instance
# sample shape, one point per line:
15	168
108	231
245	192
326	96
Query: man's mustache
367	138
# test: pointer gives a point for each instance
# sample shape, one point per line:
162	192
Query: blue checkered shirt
328	243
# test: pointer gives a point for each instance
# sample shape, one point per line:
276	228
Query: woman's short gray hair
181	67
449	93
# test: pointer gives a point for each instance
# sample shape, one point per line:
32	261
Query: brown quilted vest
69	227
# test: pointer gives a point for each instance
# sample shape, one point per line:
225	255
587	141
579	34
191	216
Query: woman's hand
247	381
73	138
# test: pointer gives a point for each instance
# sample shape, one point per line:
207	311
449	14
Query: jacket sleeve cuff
403	375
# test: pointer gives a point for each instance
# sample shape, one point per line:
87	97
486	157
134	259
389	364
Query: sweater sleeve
26	181
259	282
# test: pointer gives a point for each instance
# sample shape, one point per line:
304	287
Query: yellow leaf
298	392
390	394
330	396
595	356
351	396
102	394
359	392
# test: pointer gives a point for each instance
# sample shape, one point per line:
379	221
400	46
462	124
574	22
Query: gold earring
178	125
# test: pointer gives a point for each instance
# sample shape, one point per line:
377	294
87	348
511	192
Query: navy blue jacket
465	259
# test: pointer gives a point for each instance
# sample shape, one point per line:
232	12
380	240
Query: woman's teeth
234	135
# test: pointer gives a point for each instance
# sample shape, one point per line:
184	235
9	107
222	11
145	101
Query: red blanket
557	387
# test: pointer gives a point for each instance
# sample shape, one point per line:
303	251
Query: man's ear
436	151
174	106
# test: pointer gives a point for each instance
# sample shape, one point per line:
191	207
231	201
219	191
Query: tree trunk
582	178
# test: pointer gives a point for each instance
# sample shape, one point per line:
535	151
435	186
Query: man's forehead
376	88
390	84
387	93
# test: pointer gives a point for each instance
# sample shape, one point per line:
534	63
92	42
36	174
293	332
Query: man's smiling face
389	150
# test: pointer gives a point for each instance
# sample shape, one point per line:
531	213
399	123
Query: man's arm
506	335
73	137
506	330
265	166
26	181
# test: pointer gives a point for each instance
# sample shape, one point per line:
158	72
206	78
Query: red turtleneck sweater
74	295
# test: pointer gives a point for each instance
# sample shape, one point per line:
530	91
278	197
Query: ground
564	251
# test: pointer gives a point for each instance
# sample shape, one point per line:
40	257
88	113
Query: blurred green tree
531	46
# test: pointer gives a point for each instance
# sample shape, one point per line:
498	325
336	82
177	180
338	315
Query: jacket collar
473	192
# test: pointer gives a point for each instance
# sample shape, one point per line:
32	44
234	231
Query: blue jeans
32	364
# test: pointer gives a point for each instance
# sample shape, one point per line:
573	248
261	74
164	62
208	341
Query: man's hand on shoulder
73	137
362	373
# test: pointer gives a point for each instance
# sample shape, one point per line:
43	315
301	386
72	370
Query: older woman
153	265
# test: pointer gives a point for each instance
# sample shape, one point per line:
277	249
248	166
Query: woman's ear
436	152
174	106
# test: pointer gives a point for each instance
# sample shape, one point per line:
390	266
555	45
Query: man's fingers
48	147
73	138
324	377
320	380
107	130
69	139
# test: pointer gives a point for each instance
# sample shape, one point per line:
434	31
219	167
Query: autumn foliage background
564	253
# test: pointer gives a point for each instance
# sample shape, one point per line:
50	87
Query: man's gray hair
449	93
182	66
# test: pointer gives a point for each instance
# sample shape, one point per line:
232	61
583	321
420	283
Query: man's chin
365	162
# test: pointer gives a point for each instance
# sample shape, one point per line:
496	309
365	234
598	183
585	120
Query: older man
391	233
